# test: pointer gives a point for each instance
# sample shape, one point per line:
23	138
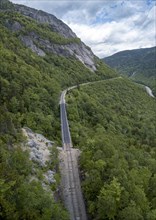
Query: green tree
109	200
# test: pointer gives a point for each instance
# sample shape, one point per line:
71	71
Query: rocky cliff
43	17
72	45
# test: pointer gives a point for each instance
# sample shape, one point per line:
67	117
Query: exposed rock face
73	49
79	50
39	149
43	17
38	146
27	40
49	176
14	26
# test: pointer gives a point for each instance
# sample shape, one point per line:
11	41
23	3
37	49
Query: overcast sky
107	26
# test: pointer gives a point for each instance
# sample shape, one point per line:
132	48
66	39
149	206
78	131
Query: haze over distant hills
139	64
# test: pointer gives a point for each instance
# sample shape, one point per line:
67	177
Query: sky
106	26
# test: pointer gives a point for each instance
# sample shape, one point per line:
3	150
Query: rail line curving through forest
72	193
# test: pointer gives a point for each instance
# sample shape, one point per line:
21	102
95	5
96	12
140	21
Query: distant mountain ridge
139	64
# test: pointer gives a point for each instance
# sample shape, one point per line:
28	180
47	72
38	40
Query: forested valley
113	123
138	64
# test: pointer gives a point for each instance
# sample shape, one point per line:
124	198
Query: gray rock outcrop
50	176
79	50
13	26
28	42
38	146
39	149
44	17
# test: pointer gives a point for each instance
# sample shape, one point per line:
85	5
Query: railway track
72	193
76	212
72	189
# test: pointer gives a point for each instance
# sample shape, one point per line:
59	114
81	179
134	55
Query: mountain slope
138	64
113	123
25	60
56	36
37	62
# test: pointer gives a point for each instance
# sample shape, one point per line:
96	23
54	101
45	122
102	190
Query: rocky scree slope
41	153
64	41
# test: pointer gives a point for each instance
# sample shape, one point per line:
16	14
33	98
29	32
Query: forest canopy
113	123
30	87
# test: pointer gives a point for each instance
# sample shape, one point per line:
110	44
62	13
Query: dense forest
30	86
113	123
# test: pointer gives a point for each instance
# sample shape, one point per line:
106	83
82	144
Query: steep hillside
113	123
44	33
39	57
138	64
32	75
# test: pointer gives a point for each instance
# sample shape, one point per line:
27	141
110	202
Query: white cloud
136	31
106	26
